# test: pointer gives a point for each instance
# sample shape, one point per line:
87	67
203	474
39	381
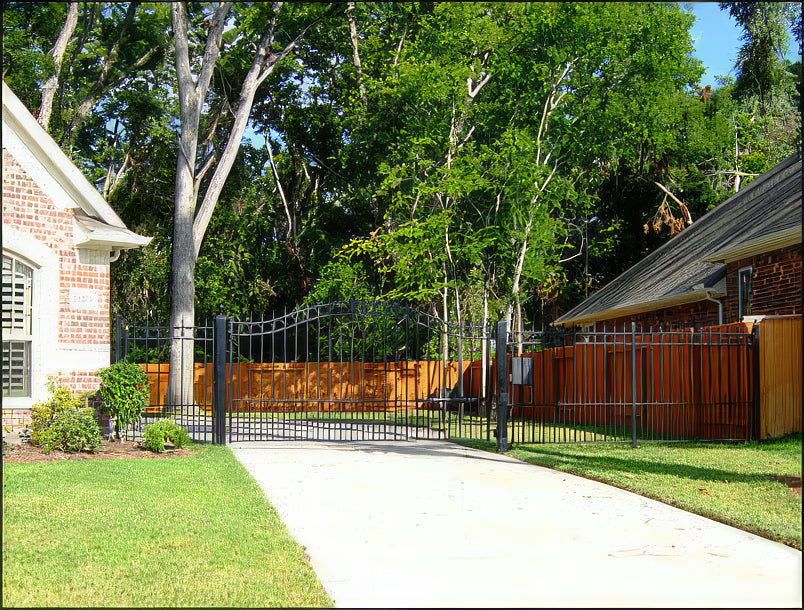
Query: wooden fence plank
780	363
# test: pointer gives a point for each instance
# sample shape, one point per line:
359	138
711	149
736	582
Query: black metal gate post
219	381
501	352
120	339
756	417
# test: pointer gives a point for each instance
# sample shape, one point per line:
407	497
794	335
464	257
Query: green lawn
193	531
730	483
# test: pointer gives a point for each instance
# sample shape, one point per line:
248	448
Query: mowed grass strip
195	531
730	483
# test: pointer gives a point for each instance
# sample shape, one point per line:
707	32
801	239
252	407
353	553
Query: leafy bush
154	436
62	422
125	392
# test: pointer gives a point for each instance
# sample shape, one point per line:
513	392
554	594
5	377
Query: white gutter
709	297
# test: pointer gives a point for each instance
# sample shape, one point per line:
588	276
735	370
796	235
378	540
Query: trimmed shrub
154	436
62	423
125	392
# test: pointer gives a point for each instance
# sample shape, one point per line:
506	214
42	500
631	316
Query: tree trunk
52	83
192	91
190	227
350	7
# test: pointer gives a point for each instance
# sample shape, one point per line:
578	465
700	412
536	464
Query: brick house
59	238
739	262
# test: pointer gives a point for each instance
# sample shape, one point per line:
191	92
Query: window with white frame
17	326
744	291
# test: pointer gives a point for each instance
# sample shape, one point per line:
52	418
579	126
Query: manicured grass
730	483
194	531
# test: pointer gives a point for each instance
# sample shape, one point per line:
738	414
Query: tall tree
191	219
760	66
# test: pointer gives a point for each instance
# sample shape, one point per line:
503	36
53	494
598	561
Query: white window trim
740	295
45	300
19	331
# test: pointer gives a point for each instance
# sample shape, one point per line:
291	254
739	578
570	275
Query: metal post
118	330
633	386
755	424
219	382
501	351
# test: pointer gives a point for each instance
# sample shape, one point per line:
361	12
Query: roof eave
692	296
93	234
766	243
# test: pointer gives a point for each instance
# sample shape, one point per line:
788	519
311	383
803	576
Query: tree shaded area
481	158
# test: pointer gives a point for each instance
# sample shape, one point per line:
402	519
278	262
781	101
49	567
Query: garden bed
109	450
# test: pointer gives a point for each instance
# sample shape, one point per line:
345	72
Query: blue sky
717	40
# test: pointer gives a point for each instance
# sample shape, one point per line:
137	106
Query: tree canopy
477	159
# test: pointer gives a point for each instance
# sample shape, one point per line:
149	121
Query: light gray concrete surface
433	524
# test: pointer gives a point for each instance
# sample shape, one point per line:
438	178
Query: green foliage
62	423
155	434
73	431
148	355
340	281
529	191
125	392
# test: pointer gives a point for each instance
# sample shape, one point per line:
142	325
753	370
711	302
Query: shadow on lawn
638	466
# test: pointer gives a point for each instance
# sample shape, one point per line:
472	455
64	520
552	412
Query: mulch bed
109	450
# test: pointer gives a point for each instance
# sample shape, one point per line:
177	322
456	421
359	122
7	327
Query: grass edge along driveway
194	531
730	483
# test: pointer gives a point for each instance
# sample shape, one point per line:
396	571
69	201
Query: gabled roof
764	216
59	177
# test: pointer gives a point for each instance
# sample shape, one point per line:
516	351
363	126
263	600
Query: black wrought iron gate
355	371
382	371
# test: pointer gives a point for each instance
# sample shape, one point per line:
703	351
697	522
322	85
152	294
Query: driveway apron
433	524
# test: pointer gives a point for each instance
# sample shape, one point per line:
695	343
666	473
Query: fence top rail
359	310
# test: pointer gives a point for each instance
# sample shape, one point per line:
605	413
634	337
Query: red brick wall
701	313
83	288
775	283
14	419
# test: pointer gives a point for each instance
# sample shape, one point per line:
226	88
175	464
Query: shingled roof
764	216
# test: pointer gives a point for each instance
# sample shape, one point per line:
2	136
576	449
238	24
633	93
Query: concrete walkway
432	524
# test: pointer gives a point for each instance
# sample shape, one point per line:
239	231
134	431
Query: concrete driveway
432	524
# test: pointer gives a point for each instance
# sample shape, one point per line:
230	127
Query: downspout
709	297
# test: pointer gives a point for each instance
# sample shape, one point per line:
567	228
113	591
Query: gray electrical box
522	371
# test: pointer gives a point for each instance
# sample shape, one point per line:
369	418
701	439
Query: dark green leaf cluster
156	434
125	392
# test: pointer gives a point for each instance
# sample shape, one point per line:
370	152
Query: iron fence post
501	351
756	416
118	329
633	386
219	381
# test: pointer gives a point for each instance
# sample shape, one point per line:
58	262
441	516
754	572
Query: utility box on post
521	371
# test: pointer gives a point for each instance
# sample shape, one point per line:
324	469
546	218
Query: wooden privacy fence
314	386
780	372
